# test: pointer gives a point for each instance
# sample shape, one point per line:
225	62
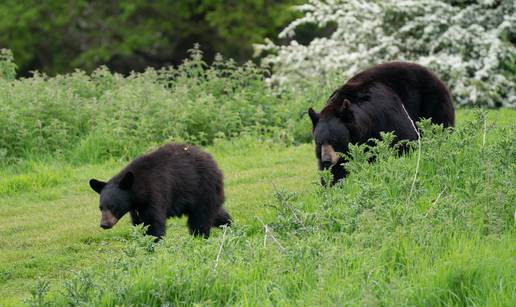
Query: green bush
89	118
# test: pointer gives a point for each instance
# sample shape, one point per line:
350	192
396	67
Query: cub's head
115	198
331	133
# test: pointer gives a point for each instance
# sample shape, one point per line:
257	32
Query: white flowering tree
468	43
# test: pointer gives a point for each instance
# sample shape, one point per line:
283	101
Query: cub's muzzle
108	219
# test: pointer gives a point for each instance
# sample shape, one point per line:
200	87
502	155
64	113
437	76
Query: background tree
58	36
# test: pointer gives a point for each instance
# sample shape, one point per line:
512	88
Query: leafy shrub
87	118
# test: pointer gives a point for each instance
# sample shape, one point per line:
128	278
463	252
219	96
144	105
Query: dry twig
418	153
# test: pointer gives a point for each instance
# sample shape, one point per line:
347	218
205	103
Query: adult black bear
174	180
373	101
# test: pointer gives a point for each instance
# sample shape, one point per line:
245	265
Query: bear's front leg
157	228
154	221
135	217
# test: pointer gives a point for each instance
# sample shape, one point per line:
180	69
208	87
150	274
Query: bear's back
175	170
420	91
174	156
402	77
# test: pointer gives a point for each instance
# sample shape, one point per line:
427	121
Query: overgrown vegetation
379	238
368	241
90	118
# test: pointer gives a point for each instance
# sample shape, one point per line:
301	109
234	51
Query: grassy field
369	241
50	221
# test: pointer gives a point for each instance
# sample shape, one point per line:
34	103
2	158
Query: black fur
174	180
371	102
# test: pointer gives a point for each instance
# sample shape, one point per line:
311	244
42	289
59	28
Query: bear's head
331	134
115	198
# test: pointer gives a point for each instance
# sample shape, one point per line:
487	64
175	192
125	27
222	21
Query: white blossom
468	44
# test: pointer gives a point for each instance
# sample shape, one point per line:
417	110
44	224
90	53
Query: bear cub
173	180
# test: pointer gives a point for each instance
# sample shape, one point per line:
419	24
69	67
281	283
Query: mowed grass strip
49	228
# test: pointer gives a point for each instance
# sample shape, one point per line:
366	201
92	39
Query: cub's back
173	157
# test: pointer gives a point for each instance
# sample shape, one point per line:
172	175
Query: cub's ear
343	108
313	116
127	181
97	185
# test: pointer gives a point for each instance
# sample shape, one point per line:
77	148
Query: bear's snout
328	156
108	220
105	226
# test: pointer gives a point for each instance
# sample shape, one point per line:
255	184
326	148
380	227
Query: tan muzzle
108	219
328	155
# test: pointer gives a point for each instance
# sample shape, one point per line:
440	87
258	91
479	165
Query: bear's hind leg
199	225
222	218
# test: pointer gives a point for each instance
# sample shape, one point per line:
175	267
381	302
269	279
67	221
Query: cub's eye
105	207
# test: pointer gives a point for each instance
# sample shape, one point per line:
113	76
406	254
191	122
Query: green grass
367	242
49	217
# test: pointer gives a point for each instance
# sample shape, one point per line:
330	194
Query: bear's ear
127	181
97	185
313	116
343	109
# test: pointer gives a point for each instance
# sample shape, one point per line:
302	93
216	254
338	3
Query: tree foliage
58	36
